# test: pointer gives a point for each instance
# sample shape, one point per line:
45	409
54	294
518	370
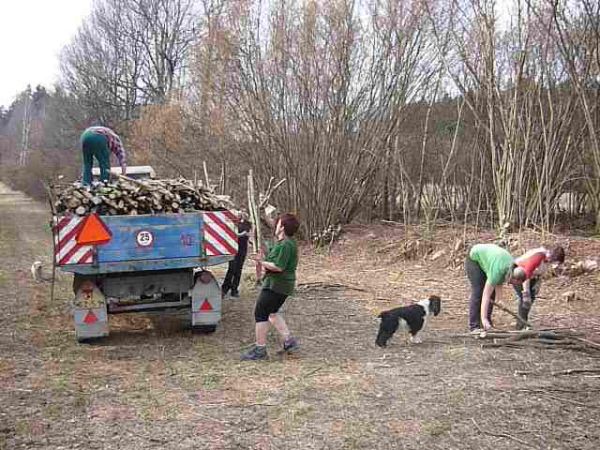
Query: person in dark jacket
231	282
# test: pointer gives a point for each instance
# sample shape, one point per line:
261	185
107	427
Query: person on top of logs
99	142
488	267
535	263
231	282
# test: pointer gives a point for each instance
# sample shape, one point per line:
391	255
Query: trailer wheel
204	329
90	340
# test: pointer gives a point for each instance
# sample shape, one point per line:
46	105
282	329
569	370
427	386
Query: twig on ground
555	397
326	285
503	435
588	342
575	371
555	374
312	372
508	311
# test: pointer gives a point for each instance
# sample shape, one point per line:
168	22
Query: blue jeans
525	307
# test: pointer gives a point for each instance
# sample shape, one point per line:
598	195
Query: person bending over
488	267
535	263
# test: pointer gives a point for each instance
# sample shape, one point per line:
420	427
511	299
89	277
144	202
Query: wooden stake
254	212
52	225
206	174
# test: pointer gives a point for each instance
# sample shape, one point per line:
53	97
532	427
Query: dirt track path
155	385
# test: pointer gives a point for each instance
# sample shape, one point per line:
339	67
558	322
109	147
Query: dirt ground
154	384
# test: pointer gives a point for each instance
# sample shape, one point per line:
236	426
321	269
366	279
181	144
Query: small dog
36	272
412	318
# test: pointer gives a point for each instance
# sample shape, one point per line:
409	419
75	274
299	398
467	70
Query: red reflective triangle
90	318
205	306
93	231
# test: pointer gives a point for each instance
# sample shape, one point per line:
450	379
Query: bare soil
154	384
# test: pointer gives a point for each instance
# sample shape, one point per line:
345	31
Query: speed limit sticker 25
144	238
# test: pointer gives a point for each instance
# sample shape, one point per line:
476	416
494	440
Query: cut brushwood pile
546	339
127	196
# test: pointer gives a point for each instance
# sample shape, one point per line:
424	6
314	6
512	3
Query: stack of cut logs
132	197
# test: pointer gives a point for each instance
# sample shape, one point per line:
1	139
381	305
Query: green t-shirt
284	254
493	260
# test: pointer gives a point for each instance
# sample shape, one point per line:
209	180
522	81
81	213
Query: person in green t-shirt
278	283
488	267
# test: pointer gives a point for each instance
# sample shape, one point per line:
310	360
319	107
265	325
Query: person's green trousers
95	145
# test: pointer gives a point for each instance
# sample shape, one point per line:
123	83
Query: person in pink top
535	263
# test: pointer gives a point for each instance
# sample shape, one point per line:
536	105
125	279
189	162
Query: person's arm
278	258
486	301
271	267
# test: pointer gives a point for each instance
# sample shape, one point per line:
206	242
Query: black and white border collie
411	318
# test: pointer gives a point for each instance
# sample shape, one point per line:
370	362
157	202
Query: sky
32	33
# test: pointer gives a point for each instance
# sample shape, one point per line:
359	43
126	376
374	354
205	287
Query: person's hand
487	325
257	258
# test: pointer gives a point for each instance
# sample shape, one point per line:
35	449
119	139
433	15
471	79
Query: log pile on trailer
126	196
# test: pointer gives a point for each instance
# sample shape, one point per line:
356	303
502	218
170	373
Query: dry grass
152	384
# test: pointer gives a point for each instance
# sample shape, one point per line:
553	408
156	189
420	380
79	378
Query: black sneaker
234	294
256	353
291	345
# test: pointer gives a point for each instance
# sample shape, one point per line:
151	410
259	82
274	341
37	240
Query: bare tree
512	88
575	29
314	93
128	53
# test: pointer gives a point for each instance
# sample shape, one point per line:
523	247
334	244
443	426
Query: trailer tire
90	340
204	329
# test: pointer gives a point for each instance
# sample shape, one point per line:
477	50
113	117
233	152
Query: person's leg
265	305
262	329
226	286
534	286
88	162
278	322
524	309
103	156
237	273
290	343
521	310
477	279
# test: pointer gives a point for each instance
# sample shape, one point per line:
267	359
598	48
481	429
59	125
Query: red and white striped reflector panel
67	250
220	233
